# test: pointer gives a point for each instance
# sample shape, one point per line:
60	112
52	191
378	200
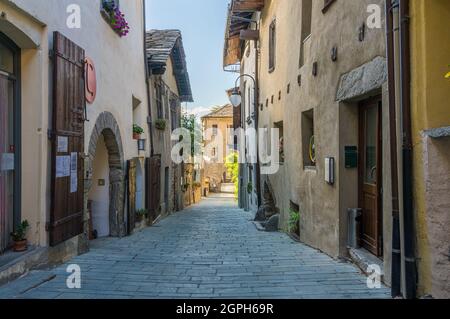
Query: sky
202	24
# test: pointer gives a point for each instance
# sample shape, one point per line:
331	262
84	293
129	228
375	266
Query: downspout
256	106
147	82
396	251
408	214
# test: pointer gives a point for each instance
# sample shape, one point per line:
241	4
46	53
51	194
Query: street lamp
235	97
236	100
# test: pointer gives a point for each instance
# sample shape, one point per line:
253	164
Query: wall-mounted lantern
329	170
141	144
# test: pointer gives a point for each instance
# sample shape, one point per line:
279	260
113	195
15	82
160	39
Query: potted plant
141	214
249	188
18	236
137	131
294	222
160	124
197	185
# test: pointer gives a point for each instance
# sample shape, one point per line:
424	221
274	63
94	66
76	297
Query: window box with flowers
114	17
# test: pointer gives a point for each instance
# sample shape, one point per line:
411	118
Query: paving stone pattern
211	250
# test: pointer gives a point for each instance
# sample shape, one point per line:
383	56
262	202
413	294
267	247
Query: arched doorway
105	185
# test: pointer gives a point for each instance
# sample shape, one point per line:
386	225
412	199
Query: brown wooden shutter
66	218
153	185
131	194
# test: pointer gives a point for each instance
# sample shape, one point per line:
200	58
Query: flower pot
136	136
20	245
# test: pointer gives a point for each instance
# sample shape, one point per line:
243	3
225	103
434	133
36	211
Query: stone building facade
49	91
169	86
74	169
321	71
331	82
217	143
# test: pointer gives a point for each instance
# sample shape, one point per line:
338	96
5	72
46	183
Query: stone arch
107	126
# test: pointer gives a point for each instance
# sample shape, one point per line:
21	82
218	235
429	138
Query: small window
306	28
159	99
174	118
279	126
272	46
308	139
215	130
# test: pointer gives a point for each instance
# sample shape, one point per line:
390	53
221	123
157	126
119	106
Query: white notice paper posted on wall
63	144
7	162
62	166
73	182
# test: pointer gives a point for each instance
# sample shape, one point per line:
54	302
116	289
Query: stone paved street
209	250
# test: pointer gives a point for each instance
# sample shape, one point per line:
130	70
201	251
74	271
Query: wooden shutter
131	194
153	185
66	218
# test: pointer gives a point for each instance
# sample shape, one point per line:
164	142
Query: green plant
197	184
250	187
142	213
160	124
20	232
232	165
294	220
137	129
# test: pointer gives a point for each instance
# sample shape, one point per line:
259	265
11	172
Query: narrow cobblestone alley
209	250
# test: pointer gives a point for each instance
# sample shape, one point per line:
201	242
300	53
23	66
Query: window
174	106
308	139
159	99
272	46
306	28
215	130
279	126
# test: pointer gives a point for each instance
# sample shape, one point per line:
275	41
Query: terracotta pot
20	245
136	136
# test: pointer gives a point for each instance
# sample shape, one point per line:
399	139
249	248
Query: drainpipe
410	274
147	82
256	106
396	251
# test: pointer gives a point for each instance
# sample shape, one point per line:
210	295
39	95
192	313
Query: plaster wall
430	55
120	69
321	205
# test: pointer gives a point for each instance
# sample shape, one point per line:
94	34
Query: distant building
217	126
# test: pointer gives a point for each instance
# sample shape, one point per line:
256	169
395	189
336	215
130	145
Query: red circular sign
90	81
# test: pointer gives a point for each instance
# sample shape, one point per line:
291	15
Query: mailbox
351	157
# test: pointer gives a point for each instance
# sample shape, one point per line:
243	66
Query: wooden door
153	185
131	166
370	175
67	136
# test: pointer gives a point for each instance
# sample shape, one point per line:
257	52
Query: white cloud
199	111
